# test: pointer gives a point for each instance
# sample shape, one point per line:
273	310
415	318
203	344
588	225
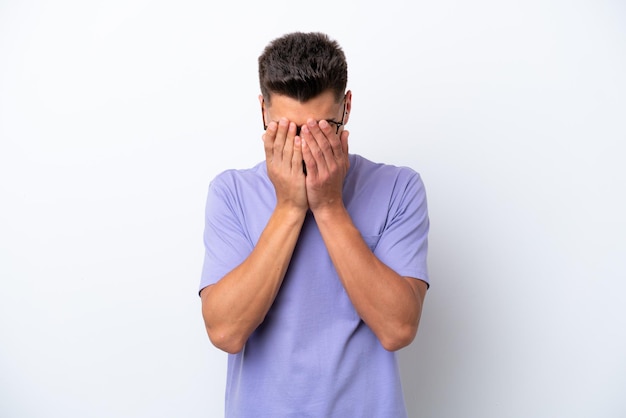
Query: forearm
388	303
235	306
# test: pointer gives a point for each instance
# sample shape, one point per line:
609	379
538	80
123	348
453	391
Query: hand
325	154
283	157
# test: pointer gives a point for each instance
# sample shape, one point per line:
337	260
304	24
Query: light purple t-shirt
313	356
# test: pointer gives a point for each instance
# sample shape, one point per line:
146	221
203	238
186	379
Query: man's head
302	66
302	76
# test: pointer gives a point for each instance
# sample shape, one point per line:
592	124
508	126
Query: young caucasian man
315	265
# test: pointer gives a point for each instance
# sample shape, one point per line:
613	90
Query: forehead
323	106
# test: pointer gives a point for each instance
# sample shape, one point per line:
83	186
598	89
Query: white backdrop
115	115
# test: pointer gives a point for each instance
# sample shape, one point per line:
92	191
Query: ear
262	103
348	107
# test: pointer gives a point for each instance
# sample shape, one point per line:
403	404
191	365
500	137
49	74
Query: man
315	267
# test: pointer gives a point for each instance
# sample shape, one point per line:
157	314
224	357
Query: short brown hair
302	66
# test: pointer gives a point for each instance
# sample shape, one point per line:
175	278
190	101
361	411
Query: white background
115	115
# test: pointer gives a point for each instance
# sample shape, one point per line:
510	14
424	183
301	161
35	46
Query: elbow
229	343
222	335
401	337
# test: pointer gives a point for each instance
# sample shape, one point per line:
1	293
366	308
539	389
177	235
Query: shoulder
369	173
235	178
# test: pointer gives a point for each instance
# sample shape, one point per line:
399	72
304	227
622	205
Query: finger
317	143
287	152
268	140
296	159
311	153
281	135
334	140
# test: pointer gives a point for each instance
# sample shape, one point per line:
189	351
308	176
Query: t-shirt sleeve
225	242
403	245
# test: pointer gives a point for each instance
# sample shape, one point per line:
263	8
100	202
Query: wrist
290	212
329	212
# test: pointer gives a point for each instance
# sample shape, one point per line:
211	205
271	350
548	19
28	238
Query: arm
234	307
388	303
